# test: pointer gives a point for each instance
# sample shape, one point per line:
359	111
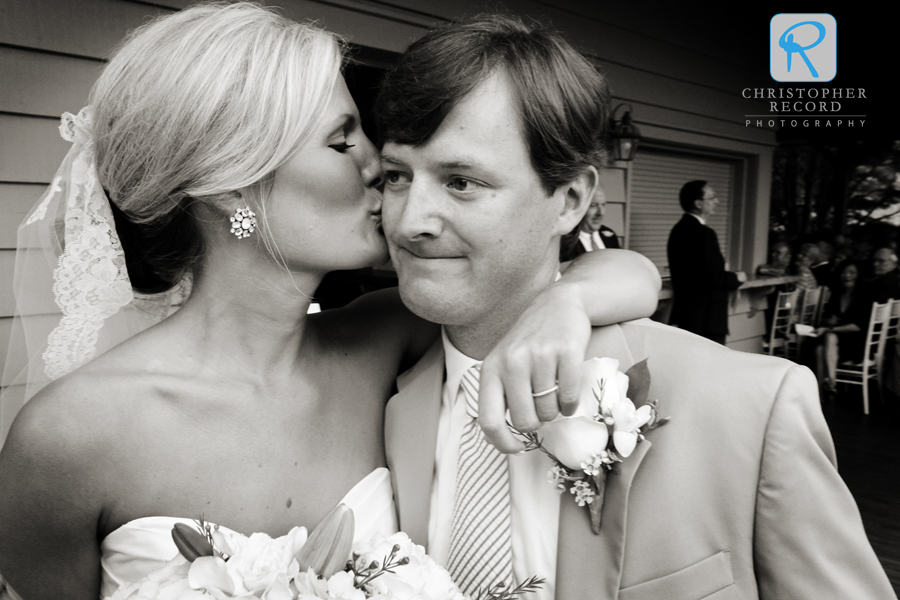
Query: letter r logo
803	47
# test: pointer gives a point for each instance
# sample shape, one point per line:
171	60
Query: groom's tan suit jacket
736	497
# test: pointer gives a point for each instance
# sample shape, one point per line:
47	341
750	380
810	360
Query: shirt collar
586	238
698	217
456	363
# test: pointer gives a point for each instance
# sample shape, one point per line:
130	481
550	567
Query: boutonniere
603	431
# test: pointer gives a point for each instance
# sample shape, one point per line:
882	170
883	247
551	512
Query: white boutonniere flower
612	417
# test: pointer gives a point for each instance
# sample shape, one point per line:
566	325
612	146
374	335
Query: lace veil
73	296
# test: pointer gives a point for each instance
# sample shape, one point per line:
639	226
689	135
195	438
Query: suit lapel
410	434
610	342
588	566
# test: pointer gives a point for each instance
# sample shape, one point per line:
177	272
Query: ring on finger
545	392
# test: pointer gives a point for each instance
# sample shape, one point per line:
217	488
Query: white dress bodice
143	545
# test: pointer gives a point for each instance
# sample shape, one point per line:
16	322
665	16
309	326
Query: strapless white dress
138	547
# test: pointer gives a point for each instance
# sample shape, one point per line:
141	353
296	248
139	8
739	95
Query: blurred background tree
851	188
873	189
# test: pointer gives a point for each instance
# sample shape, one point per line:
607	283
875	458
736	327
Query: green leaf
328	547
597	505
191	543
638	383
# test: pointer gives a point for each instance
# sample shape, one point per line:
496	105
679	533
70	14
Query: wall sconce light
625	135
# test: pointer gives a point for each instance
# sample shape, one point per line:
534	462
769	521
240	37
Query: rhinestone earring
243	223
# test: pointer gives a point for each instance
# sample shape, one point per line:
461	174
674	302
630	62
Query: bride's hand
545	348
547	344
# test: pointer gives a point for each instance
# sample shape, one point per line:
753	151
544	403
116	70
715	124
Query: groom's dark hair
563	100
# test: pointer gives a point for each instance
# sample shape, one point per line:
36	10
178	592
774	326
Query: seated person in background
806	258
592	233
841	253
885	284
823	268
846	319
780	256
779	260
861	251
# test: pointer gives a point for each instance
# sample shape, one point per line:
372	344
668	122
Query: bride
237	175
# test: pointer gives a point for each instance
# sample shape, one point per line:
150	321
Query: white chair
808	311
782	339
893	319
860	373
890	337
808	306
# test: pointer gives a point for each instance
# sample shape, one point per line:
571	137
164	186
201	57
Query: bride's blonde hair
203	104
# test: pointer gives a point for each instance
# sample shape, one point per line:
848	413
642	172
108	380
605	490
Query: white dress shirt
591	241
698	217
534	502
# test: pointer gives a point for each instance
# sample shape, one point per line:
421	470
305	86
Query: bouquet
325	565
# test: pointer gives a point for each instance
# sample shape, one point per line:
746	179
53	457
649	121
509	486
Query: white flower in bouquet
420	578
310	586
257	567
168	582
260	566
323	566
261	558
341	586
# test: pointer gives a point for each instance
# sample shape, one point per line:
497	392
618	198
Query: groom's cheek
391	205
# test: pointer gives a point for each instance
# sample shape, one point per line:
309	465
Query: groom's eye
461	184
394	177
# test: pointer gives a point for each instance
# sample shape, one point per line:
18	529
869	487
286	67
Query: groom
492	129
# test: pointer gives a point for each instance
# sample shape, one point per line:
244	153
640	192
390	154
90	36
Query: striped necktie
480	545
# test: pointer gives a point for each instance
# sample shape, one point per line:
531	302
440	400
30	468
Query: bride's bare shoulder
75	414
69	448
95	406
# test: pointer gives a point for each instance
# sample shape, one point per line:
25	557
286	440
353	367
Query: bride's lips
376	218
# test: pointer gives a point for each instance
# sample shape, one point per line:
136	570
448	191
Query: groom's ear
577	195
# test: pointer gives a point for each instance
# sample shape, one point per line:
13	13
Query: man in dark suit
592	234
885	284
823	267
700	283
